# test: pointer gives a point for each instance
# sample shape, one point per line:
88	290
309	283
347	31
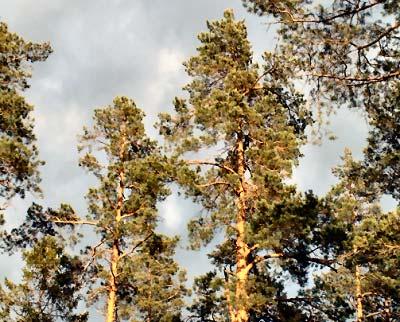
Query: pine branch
259	259
382	35
214	183
75	222
326	20
321	261
94	250
136	246
133	213
374	314
358	81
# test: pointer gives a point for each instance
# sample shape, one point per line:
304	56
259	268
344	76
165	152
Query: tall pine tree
131	267
249	123
365	283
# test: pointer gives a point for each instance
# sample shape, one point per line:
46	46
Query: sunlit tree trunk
115	255
112	287
359	308
242	249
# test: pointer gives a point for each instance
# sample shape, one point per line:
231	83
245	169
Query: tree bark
149	280
242	249
112	287
227	291
115	252
359	307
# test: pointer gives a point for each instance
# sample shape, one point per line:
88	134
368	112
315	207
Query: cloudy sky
104	48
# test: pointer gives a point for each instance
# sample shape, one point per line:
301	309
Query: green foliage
371	245
382	154
49	288
249	121
38	224
158	283
233	103
349	52
18	155
129	257
209	303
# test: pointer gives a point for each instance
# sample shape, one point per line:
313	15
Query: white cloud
169	62
171	213
58	133
169	68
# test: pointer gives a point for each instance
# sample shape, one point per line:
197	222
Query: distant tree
209	303
49	290
348	51
247	124
131	266
18	154
365	282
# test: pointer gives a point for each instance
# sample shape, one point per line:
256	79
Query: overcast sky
104	48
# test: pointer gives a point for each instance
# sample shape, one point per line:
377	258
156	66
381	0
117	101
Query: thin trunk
112	290
115	254
360	316
231	312
242	249
149	276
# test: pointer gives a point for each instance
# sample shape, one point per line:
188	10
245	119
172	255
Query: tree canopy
18	154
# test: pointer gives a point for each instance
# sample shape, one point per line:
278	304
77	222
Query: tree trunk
359	308
112	287
115	255
149	279
242	249
231	312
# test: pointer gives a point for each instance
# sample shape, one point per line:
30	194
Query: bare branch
356	81
214	183
137	245
382	35
75	222
205	162
328	19
133	213
94	250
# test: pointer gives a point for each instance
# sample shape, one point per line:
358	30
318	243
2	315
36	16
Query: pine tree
49	290
131	266
349	47
52	280
349	53
18	154
249	122
365	283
